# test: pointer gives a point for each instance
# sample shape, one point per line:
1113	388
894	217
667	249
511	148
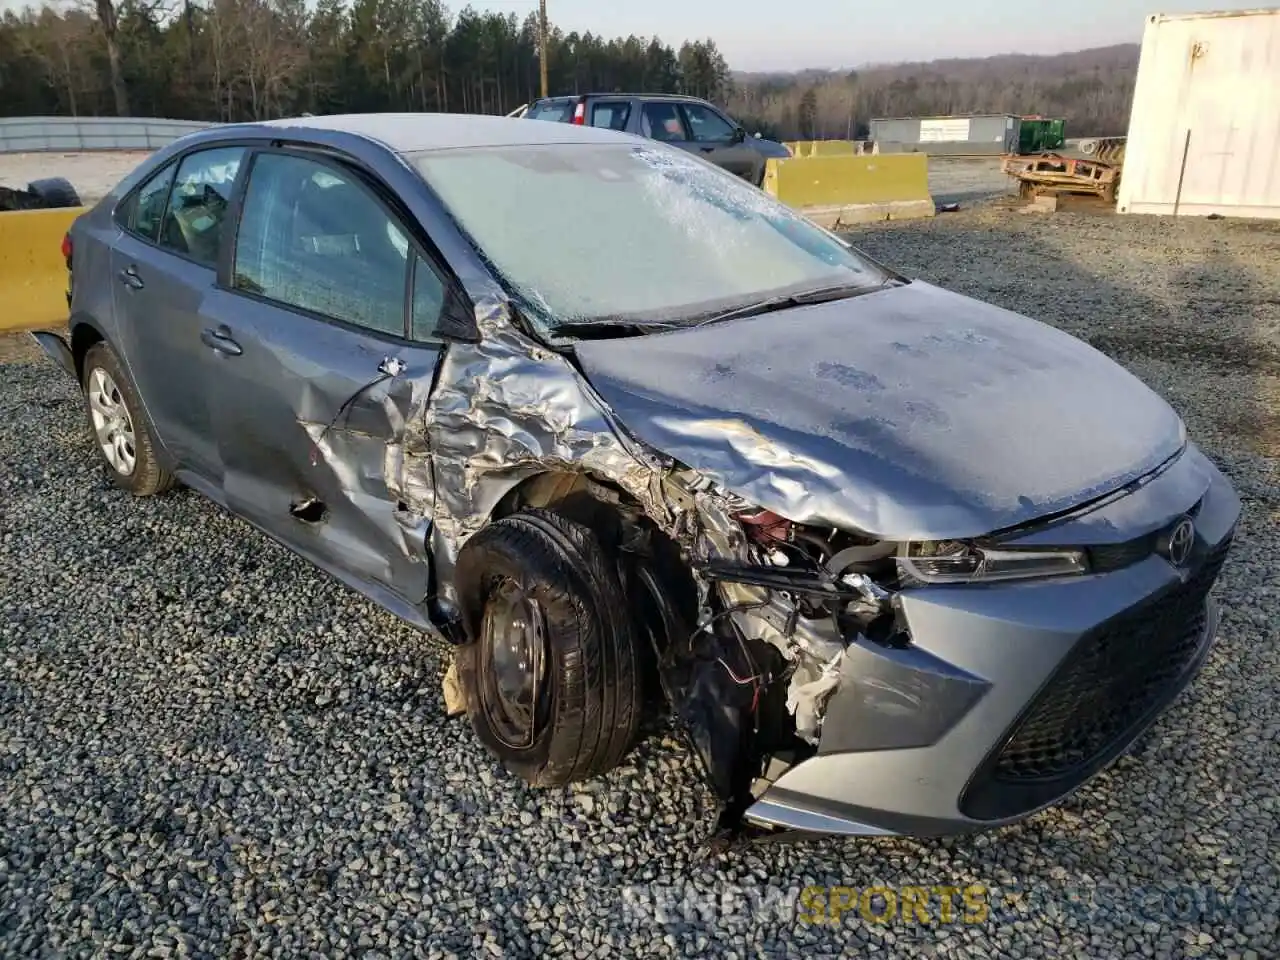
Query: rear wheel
552	669
119	425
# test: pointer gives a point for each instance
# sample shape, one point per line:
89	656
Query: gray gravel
965	181
209	748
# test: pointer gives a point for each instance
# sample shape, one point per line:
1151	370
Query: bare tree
109	24
59	47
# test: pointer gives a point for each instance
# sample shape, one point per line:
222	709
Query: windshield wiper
820	295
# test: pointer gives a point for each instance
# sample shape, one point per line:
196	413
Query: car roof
417	132
683	97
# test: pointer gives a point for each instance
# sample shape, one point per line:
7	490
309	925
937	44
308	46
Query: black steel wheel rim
514	655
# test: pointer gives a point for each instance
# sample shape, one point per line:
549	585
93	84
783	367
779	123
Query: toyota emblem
1180	541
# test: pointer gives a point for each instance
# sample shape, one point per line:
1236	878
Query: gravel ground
209	748
967	181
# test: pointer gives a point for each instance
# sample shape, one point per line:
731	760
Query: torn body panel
506	409
314	411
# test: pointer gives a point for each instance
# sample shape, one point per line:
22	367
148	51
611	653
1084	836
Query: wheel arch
84	332
651	561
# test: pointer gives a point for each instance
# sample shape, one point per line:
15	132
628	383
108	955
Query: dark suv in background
685	122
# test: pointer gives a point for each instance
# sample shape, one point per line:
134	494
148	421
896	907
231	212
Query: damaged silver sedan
632	435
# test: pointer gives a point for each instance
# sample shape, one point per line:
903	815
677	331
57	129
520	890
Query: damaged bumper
56	349
1010	696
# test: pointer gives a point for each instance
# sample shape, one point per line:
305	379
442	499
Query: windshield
631	232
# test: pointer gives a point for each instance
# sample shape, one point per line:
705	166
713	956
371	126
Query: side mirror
739	135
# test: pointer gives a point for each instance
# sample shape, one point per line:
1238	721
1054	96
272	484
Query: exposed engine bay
778	603
749	616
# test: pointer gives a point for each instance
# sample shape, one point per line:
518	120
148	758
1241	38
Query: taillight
66	247
580	113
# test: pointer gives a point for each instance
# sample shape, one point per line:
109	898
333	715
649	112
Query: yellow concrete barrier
834	148
836	190
33	275
825	148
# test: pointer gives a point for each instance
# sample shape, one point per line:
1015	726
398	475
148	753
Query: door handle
129	277
220	341
706	149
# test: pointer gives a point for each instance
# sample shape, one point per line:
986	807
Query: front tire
552	669
118	425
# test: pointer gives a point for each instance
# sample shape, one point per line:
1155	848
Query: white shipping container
1204	132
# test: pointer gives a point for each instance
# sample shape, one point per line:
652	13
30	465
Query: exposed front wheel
119	426
551	670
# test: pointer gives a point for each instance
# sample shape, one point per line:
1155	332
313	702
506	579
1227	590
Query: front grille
1104	558
1116	556
1112	681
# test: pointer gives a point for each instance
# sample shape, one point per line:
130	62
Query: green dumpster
1041	134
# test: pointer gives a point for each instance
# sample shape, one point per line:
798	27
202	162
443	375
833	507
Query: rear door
328	312
164	270
612	114
721	141
662	120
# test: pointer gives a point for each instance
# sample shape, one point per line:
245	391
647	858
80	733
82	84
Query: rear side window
611	114
558	111
313	237
198	203
142	211
661	121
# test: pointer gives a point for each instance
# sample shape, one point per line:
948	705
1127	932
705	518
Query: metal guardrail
73	134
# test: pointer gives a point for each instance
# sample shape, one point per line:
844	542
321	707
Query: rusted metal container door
1205	127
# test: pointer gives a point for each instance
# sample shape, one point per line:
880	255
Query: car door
164	267
610	114
661	120
326	318
721	141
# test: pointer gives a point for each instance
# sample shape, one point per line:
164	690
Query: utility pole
542	44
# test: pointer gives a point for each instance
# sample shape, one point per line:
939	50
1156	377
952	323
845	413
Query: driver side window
198	203
706	125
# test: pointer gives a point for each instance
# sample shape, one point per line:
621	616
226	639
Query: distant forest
255	59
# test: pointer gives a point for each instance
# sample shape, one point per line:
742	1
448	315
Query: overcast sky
771	34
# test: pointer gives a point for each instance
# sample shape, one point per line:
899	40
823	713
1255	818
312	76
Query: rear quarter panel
93	290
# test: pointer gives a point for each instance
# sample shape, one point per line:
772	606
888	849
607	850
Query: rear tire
118	425
552	668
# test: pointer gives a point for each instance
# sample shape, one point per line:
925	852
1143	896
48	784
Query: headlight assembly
955	561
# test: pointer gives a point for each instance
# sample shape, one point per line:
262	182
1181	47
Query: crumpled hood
908	413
